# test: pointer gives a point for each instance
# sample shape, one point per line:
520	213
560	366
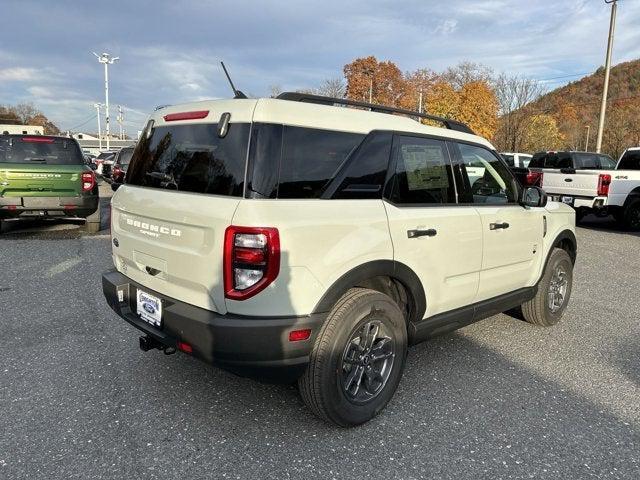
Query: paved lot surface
498	399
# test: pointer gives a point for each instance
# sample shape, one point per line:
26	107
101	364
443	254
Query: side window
423	173
606	162
311	158
365	175
509	159
486	179
630	160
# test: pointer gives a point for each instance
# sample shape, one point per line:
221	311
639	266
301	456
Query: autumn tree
542	133
380	82
514	94
478	108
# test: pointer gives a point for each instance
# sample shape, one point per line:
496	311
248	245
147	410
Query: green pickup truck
45	176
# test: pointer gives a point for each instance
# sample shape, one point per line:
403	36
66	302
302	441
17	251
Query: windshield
104	155
125	156
40	150
630	160
192	158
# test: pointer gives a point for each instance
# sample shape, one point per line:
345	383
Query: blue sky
170	50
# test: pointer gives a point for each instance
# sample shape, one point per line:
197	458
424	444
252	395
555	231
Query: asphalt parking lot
497	399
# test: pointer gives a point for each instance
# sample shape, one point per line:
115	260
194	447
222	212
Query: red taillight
299	335
116	171
534	179
185	347
604	180
88	181
251	260
196	115
38	140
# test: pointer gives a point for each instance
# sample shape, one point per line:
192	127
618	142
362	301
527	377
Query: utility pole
107	60
420	102
586	144
607	68
120	119
97	107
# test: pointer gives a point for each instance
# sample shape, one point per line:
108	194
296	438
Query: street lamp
107	60
607	68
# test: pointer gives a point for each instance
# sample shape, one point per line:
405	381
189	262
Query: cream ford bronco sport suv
293	239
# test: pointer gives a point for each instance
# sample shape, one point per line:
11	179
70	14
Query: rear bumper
250	346
81	206
592	203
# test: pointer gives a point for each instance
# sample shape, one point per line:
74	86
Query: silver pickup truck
593	183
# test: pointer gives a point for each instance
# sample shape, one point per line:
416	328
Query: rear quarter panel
320	241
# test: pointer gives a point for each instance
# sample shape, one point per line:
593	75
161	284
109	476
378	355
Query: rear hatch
40	166
182	188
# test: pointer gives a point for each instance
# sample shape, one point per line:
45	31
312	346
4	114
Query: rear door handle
497	226
431	232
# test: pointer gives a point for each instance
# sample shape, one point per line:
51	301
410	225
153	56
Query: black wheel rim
367	362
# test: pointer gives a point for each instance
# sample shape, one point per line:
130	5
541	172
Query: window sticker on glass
425	168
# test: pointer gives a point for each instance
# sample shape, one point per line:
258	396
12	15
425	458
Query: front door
431	234
512	234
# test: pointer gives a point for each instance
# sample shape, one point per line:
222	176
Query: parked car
120	166
592	183
45	176
292	239
103	162
518	160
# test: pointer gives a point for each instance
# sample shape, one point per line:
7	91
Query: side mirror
534	197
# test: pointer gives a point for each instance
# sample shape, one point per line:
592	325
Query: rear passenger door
431	234
511	233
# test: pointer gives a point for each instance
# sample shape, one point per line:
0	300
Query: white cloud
19	74
446	27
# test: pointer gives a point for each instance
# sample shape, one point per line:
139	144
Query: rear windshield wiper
35	159
166	180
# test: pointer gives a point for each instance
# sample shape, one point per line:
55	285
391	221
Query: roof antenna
236	93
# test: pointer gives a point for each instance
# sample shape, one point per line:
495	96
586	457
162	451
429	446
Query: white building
21	129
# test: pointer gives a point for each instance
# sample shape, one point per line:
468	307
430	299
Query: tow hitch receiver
149	343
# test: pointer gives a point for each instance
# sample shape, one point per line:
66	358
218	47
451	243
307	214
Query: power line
83	123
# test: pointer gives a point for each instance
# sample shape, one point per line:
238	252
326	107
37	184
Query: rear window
40	150
296	162
125	156
192	158
630	160
508	159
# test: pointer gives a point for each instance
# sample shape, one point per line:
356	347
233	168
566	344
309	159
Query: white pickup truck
593	183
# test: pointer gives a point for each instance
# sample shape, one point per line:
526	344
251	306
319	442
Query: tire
341	384
559	272
631	216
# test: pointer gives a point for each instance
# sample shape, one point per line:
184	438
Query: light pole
607	68
107	60
97	107
586	143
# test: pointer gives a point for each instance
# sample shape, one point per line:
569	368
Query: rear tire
554	291
631	216
357	359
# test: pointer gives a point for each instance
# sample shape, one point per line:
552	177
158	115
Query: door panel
448	263
511	255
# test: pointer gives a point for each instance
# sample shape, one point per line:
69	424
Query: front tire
357	359
554	291
631	216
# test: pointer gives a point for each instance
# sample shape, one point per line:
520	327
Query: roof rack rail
322	100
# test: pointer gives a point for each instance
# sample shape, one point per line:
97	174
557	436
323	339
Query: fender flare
564	235
377	268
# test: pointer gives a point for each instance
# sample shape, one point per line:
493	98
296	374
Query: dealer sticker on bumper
149	308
